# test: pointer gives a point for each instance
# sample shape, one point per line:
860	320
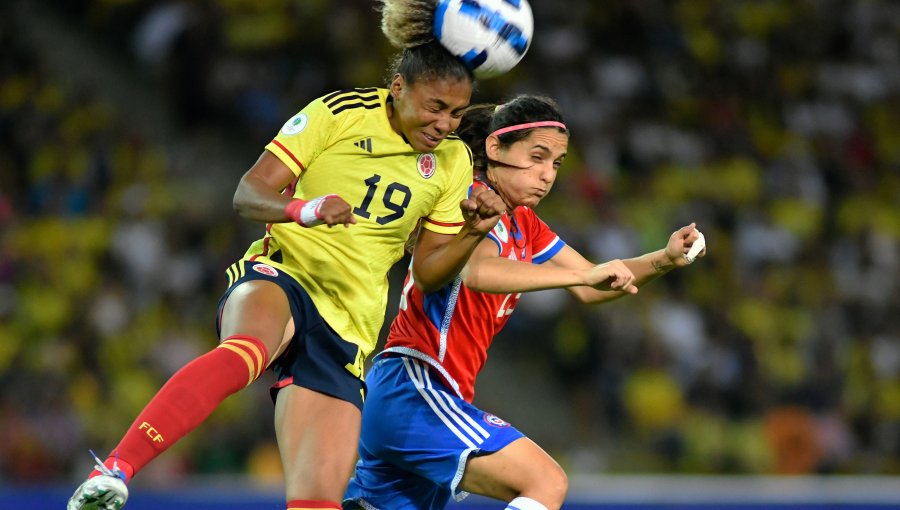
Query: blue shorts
417	435
316	356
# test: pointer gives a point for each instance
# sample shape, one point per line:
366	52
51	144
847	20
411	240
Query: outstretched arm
438	258
645	268
487	272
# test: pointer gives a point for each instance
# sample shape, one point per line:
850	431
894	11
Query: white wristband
310	213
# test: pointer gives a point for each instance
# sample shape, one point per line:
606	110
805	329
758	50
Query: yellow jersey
343	144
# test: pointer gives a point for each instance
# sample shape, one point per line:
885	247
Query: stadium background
126	124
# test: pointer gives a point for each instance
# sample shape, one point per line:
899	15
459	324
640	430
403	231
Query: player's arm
438	258
259	197
486	271
644	269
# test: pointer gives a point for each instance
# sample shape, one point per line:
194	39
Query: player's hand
336	211
482	210
680	243
328	210
612	275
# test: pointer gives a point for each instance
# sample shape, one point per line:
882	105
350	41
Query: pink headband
529	125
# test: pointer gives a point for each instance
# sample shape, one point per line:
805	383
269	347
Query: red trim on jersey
292	187
445	224
265	250
290	154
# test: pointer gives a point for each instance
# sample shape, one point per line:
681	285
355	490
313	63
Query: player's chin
531	202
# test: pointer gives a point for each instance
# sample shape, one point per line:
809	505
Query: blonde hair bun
408	23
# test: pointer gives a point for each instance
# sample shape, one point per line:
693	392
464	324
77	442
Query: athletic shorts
417	435
316	356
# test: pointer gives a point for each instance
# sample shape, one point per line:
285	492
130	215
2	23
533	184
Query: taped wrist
307	213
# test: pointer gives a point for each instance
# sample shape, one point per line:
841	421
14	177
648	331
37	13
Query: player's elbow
238	204
426	286
242	201
238	200
425	281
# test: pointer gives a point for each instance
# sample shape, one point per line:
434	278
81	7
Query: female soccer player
422	440
308	300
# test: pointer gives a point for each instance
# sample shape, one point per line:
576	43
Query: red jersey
451	329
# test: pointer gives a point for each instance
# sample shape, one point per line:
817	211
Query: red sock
308	504
187	399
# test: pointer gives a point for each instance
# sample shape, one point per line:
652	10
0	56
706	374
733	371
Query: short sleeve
303	137
446	217
546	243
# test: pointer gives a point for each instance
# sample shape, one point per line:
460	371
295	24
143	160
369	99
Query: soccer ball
489	36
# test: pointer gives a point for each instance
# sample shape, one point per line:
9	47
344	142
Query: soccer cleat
106	491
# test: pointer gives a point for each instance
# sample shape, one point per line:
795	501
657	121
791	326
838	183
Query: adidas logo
364	144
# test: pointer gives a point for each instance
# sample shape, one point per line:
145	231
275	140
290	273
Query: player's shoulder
453	147
455	143
355	101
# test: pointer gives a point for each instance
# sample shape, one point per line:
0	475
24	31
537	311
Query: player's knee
549	485
557	485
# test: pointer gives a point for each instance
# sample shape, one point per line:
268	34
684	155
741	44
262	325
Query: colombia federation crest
427	164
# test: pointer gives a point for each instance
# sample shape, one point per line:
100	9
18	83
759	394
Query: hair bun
408	23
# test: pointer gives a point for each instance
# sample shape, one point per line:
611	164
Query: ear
492	147
397	84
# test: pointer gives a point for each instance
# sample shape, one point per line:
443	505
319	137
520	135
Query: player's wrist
306	213
663	262
471	232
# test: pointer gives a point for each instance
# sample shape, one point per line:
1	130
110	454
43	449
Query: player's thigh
317	438
260	309
521	466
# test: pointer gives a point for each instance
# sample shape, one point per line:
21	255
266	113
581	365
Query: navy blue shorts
316	356
416	438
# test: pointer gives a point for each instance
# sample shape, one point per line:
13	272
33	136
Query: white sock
522	503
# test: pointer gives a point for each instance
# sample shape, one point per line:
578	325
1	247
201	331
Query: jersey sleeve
446	217
546	242
304	136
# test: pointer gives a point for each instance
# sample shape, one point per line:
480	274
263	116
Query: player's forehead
548	139
444	90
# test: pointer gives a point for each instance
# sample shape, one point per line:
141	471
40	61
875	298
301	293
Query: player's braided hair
480	120
409	26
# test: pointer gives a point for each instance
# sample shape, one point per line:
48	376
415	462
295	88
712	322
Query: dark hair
480	120
409	25
427	62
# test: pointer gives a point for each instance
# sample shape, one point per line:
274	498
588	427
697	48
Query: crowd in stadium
771	124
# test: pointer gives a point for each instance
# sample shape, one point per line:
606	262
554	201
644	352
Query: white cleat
106	491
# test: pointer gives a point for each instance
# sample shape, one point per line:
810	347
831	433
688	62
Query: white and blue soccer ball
490	36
